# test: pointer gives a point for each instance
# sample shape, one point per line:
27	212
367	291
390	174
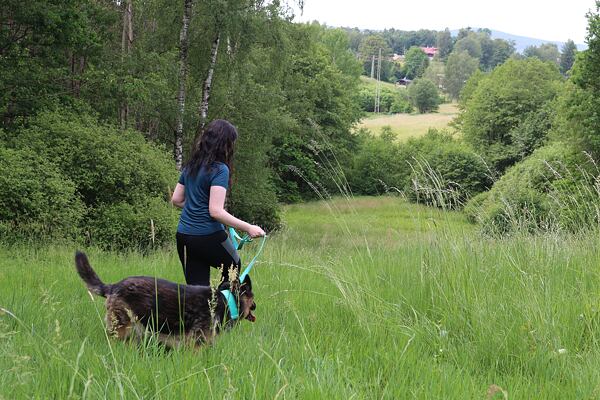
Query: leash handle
237	240
235	237
251	263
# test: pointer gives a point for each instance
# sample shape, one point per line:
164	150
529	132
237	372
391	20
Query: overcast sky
541	19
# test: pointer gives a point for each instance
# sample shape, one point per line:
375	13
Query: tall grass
400	301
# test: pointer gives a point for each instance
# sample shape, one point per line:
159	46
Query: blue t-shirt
195	218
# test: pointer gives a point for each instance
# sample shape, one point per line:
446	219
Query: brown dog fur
177	313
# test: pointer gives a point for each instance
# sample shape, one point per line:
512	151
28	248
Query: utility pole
378	86
373	67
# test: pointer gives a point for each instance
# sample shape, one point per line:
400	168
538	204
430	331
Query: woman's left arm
178	198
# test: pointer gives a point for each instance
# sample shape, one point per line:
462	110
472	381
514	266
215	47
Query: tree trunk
206	88
183	69
126	44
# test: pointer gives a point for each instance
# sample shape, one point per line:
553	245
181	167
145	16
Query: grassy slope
371	298
411	125
407	125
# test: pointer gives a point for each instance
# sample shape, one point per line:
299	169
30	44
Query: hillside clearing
411	125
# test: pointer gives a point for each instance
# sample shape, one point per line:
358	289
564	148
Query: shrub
148	223
445	172
119	179
424	95
435	169
392	100
35	198
107	165
554	189
501	101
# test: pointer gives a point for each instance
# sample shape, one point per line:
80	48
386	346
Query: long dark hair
216	143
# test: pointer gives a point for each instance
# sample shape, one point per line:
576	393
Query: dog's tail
93	282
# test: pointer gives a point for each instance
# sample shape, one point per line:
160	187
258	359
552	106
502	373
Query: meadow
411	125
358	298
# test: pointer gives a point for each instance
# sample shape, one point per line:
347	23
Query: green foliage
470	44
415	63
459	68
424	95
92	171
369	48
545	52
38	41
36	200
532	132
322	106
568	54
147	223
581	103
107	165
392	100
553	189
435	169
503	100
444	44
436	72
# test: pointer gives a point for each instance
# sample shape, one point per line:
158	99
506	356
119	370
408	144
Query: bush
90	176
500	102
107	165
445	172
391	101
554	189
35	198
424	95
435	169
149	223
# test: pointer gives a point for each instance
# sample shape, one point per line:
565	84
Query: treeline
98	99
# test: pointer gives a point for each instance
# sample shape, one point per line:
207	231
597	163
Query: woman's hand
255	231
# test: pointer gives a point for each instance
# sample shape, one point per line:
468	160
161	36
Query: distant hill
521	42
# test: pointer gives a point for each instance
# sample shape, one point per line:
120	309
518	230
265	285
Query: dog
178	313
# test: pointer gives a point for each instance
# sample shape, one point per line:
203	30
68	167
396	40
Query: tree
369	48
544	52
444	44
424	95
459	68
183	70
501	102
415	63
337	43
581	103
470	44
503	50
436	72
567	56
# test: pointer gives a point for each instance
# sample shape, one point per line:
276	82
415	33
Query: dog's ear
247	284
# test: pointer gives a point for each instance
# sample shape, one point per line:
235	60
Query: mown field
365	298
411	125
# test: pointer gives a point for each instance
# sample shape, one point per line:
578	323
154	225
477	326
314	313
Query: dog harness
238	243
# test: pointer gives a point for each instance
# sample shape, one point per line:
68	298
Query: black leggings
198	253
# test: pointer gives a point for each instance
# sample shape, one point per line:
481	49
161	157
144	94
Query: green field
367	298
411	125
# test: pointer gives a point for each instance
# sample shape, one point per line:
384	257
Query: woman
201	238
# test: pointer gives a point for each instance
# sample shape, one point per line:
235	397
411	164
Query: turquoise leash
235	237
251	263
233	310
238	243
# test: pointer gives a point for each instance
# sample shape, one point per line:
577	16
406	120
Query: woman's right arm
216	208
178	198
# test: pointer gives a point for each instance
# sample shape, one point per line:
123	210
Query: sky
540	19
